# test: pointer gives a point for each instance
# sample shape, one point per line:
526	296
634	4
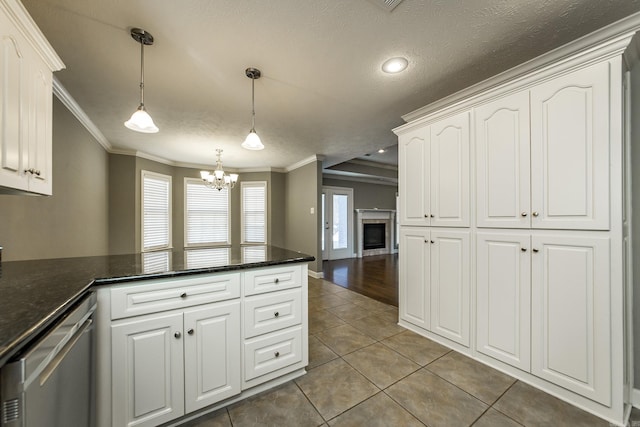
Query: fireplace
373	236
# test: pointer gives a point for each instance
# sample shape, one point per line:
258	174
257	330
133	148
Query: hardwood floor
374	276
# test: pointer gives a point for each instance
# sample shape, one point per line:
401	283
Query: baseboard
635	398
316	275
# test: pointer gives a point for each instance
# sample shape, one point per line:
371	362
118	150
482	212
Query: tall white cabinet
511	242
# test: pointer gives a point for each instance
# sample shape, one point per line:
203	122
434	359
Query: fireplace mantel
388	216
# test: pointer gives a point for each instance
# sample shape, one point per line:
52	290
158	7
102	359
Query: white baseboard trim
316	275
635	398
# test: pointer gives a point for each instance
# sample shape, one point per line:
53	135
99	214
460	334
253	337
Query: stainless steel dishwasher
51	382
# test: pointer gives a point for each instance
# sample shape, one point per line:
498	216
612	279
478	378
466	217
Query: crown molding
67	100
606	42
29	29
304	162
367	180
372	164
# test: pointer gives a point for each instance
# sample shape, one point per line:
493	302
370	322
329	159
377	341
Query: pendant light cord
253	105
142	74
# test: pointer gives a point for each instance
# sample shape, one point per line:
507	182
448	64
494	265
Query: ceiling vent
387	5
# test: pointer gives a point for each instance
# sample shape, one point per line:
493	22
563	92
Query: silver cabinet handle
535	250
432	215
276	354
523	214
535	214
523	249
277	281
190	331
276	314
177	335
183	295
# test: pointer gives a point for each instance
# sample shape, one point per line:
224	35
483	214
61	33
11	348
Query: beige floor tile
377	411
477	379
371	304
378	326
493	418
325	301
381	365
436	402
335	387
321	320
283	406
533	407
319	353
349	311
417	348
219	418
344	339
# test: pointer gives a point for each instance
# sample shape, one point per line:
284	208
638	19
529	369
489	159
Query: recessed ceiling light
381	150
395	65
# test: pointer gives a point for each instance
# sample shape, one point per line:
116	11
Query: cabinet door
212	354
450	284
13	148
571	337
502	162
503	286
449	164
414	291
147	370
570	151
413	177
39	130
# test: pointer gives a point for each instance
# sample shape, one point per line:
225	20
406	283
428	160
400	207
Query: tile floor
365	370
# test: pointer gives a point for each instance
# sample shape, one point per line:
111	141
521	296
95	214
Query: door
449	166
212	354
413	177
502	162
450	289
570	151
570	313
147	374
503	284
414	291
338	222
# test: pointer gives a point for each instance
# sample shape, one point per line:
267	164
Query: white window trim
201	245
168	178
266	203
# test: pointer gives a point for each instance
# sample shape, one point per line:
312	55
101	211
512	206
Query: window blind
254	212
156	211
207	214
204	258
254	254
155	262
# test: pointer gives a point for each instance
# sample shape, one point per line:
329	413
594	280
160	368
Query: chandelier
218	179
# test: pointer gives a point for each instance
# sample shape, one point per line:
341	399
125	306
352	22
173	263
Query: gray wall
74	220
122	204
302	194
365	195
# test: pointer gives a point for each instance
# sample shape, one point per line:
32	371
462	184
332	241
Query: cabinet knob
276	314
276	354
183	295
37	172
432	241
426	241
523	214
523	249
535	250
277	280
535	214
426	216
177	335
431	215
190	331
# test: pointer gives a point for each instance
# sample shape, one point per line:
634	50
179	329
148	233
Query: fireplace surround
376	220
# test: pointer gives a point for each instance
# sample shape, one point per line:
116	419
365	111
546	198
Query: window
156	211
206	214
254	212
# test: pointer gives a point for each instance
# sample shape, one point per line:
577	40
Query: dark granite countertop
33	294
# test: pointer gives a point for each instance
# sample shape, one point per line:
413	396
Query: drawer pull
523	214
277	281
276	314
535	214
276	354
523	249
183	295
177	335
190	331
535	250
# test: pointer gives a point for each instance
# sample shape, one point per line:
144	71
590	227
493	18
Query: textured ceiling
322	90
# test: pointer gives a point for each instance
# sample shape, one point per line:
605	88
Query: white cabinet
557	178
147	379
434	173
570	313
434	281
172	364
25	104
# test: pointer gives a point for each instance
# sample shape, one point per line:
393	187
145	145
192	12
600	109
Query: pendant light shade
252	142
140	120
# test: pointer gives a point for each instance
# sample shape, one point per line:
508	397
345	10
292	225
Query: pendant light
218	179
253	140
140	120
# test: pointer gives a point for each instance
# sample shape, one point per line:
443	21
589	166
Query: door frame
327	218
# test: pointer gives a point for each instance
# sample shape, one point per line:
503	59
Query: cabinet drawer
268	313
275	351
272	279
161	295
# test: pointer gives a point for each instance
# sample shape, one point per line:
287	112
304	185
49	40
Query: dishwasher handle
53	364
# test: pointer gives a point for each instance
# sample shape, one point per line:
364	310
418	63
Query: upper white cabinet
434	174
570	151
26	66
542	155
